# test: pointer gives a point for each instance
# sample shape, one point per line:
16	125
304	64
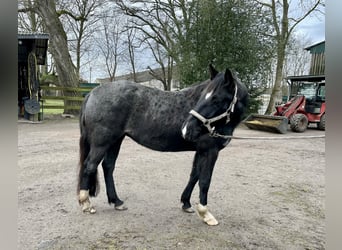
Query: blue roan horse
198	118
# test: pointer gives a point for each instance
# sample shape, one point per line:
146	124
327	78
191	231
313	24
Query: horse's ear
213	71
228	76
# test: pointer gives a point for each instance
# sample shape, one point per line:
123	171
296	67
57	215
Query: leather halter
208	122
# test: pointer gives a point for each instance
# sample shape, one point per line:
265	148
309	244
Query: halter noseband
207	122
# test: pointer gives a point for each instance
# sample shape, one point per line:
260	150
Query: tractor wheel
321	124
298	123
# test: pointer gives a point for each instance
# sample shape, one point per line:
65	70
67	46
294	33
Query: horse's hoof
189	210
205	215
121	207
212	222
89	210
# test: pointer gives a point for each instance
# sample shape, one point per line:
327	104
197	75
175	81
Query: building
32	51
317	64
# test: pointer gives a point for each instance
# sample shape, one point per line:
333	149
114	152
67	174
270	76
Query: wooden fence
56	93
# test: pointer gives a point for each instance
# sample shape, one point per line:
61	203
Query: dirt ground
266	194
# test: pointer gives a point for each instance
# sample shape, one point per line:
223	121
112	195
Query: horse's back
104	98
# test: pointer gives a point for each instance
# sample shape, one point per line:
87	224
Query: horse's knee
90	169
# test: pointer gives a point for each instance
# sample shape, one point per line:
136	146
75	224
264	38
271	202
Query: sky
313	28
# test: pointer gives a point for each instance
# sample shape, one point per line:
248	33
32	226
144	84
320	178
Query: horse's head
216	106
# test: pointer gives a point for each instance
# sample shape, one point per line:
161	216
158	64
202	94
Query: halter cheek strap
207	122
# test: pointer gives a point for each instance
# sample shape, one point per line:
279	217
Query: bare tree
284	24
297	59
131	39
110	44
28	21
81	17
166	67
163	24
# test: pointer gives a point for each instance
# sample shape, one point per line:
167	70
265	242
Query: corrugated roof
33	35
317	47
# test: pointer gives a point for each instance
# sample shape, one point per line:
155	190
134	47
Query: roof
32	42
34	35
316	48
308	78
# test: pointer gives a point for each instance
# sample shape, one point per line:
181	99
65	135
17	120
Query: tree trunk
59	48
283	33
276	91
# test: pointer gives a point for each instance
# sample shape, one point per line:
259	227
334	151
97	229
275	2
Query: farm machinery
306	105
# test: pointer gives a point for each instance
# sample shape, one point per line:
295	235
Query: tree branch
66	12
297	21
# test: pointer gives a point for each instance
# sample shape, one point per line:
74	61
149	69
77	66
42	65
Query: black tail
84	151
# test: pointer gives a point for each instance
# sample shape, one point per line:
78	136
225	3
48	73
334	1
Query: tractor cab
314	94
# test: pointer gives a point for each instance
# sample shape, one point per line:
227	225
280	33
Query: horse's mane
242	86
195	89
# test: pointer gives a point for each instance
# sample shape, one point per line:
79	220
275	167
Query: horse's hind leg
88	177
108	166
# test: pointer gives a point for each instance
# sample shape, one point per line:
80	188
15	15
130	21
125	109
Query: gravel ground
266	194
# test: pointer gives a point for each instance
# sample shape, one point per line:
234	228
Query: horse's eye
214	98
215	101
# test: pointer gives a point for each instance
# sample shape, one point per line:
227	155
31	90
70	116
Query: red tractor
306	105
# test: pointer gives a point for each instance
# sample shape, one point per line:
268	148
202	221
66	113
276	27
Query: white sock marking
205	215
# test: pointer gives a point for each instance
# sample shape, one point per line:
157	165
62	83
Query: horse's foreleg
186	195
207	163
108	166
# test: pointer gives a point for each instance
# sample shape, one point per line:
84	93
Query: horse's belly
163	143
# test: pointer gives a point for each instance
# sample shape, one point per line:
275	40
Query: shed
316	73
317	65
32	51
